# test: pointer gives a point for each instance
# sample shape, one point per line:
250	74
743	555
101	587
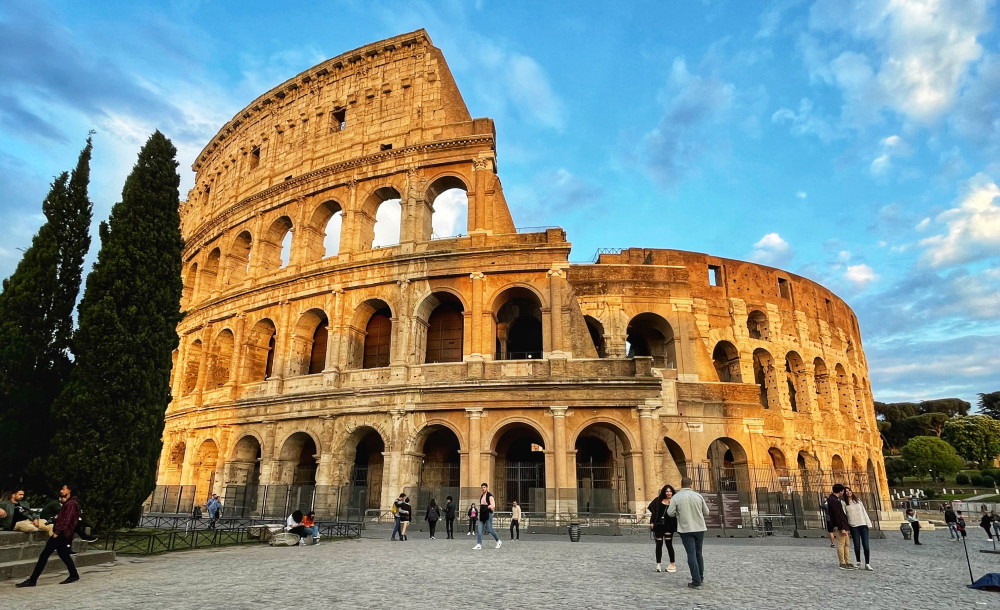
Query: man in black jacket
951	519
839	520
449	517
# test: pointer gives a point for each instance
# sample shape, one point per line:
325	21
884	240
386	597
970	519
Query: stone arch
175	463
726	359
371	334
856	395
519	468
244	461
519	328
728	470
190	279
855	464
274	252
649	334
605	479
309	343
448	198
260	346
843	387
675	463
191	366
757	325
210	272
764	377
323	234
205	462
440	327
365	452
297	460
821	379
220	363
778	460
596	330
380	224
238	259
439	447
795	382
838	468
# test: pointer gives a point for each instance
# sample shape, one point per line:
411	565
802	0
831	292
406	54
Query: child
961	523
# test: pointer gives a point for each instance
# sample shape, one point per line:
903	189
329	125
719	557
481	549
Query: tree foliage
989	404
109	418
974	437
909	419
896	468
36	323
929	454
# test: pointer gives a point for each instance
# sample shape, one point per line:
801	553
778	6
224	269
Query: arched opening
855	464
727	468
675	464
778	461
378	339
519	325
839	471
812	478
210	272
175	465
763	376
221	361
648	334
821	379
440	469
188	293
238	263
795	381
260	351
596	330
309	343
206	460
726	359
322	235
366	473
843	388
519	470
449	201
243	478
191	367
273	252
297	461
757	325
603	473
445	329
386	214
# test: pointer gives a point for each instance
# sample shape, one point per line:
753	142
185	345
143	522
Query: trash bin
906	530
574	532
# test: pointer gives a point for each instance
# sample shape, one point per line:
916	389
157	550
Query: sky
852	142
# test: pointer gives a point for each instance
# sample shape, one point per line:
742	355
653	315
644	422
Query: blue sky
854	143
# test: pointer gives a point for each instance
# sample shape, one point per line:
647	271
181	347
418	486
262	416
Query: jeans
59	545
488	526
660	539
916	531
515	525
692	542
395	528
953	531
860	536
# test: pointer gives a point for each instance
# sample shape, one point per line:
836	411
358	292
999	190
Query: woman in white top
860	523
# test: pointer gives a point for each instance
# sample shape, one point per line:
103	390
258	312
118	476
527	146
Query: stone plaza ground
538	571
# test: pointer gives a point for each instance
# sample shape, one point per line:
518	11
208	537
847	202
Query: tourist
309	521
663	526
214	507
405	514
17	516
487	506
996	522
431	516
839	519
294	524
987	524
690	509
960	526
449	517
952	522
515	520
396	528
860	522
61	538
472	513
914	521
829	525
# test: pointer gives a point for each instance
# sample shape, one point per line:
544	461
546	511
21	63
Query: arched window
445	329
272	247
260	351
519	325
210	273
238	265
384	210
757	325
189	283
648	334
596	330
727	362
192	366
378	340
317	354
222	358
309	342
449	202
322	239
795	379
763	375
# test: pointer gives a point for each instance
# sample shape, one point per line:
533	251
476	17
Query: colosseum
341	344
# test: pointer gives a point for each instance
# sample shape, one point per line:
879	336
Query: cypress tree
109	418
36	309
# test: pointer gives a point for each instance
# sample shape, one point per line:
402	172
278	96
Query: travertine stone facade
485	357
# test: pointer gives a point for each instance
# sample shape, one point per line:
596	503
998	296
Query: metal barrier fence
131	542
335	529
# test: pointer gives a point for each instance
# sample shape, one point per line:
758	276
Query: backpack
432	514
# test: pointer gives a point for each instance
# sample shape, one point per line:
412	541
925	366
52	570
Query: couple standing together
683	513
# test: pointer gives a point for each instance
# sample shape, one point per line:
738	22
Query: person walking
663	526
449	518
961	523
843	527
396	528
214	506
405	514
60	540
995	518
487	506
951	520
861	523
473	517
987	524
690	509
914	521
431	516
515	520
829	525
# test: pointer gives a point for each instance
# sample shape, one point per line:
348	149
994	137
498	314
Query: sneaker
869	568
26	583
477	547
692	585
833	546
658	567
858	566
432	537
499	542
671	568
69	580
468	533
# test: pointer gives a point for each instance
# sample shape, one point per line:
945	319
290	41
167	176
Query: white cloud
805	122
451	213
972	228
802	194
860	275
772	250
889	147
517	85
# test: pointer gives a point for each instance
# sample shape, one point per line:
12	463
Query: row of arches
326	230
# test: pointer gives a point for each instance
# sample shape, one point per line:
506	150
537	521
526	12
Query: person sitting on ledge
17	515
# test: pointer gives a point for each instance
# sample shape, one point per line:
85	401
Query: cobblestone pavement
535	572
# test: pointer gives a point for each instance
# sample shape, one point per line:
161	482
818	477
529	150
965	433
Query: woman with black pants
473	517
663	526
911	517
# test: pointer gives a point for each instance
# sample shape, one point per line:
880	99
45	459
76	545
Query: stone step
27	550
22	568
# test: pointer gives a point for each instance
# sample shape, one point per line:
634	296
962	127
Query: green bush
930	494
961	479
976	480
988	480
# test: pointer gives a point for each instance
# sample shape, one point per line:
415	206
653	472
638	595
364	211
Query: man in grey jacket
691	509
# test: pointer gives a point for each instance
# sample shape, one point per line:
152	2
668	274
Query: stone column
645	484
556	278
562	504
475	415
479	321
267	457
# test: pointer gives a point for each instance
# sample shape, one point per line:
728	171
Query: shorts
830	527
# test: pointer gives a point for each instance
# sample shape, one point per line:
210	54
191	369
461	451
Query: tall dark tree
109	418
989	404
36	323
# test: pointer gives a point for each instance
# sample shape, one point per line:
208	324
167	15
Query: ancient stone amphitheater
336	350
